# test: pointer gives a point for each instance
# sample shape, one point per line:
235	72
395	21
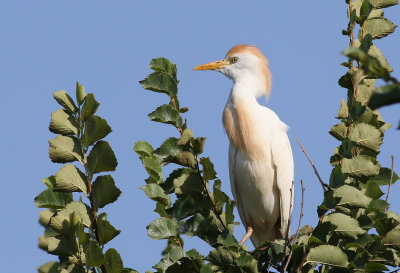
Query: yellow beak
212	66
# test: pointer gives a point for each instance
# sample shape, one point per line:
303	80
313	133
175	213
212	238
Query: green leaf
169	148
96	128
337	178
351	197
198	145
65	101
222	257
113	261
392	237
345	225
94	254
44	217
329	255
50	267
377	204
89	107
184	159
81	209
163	65
377	27
63	149
63	123
339	131
366	135
247	263
383	3
359	167
364	91
161	82
208	168
375	267
188	183
102	158
64	246
143	148
344	110
383	178
54	200
80	93
162	228
69	178
153	168
186	206
106	231
385	95
186	136
167	114
104	191
156	193
372	190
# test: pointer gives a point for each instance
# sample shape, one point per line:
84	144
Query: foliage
73	229
355	233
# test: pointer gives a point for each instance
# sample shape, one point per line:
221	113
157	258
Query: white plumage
261	165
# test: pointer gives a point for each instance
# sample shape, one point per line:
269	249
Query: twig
312	164
287	241
390	182
298	227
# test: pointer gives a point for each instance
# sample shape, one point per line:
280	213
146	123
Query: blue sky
49	45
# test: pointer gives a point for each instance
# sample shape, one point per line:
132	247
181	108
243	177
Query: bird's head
243	62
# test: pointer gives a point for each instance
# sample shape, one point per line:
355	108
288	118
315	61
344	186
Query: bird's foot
246	236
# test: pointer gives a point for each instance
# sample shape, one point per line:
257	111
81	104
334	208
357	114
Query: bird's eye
233	60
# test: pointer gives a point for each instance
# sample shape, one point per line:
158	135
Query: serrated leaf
161	82
329	255
352	197
102	158
188	183
162	228
337	178
344	110
81	209
94	254
375	267
366	135
377	204
339	131
169	148
105	230
383	3
89	107
185	206
54	200
385	95
208	168
364	91
63	123
69	179
143	148
378	27
345	224
96	128
64	246
392	237
359	167
222	257
63	149
80	93
163	65
153	168
104	191
184	159
186	135
372	190
50	267
65	101
156	193
113	261
383	178
167	114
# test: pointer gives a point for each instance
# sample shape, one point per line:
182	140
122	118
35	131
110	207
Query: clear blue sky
107	45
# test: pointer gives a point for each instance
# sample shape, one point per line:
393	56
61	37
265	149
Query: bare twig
312	164
287	240
298	227
390	182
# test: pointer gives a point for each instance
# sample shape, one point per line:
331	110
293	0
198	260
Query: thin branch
298	227
287	240
390	182
312	164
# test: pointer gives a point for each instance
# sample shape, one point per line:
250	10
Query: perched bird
261	165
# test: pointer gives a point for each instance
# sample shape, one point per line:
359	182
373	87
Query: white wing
283	160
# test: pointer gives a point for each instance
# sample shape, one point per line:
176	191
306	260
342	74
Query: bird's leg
246	236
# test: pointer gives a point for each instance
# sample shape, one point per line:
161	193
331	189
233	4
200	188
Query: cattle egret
261	165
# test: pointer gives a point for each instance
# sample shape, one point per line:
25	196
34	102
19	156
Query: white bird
261	167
